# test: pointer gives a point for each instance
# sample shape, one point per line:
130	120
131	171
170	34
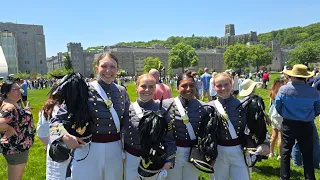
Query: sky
105	22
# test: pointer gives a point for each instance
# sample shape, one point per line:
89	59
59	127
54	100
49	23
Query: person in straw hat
298	104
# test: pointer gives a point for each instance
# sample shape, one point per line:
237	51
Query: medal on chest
185	118
108	102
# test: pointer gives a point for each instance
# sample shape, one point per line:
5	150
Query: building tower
75	51
229	30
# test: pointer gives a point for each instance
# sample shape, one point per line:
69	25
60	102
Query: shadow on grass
275	171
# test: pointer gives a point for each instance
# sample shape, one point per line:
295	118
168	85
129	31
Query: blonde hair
223	74
146	75
214	74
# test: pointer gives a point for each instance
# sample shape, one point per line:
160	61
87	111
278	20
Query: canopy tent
3	65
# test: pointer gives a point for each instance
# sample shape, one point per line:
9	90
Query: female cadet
186	114
108	105
230	162
145	87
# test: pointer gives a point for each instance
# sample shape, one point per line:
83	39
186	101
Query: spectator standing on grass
276	118
205	80
235	84
162	90
24	87
16	130
54	170
298	104
212	91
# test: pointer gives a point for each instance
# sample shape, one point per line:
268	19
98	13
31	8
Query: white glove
163	173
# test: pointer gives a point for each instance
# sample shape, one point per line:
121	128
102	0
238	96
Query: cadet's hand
72	142
167	166
212	163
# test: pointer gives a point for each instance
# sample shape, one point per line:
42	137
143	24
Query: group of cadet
96	132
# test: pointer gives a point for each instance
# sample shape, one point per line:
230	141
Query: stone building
55	62
230	37
24	47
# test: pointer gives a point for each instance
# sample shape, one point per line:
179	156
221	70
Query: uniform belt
186	143
105	138
232	142
132	150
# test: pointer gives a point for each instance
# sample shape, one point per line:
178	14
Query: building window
39	43
25	44
24	33
40	61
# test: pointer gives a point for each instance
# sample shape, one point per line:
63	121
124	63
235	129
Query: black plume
153	128
254	107
75	92
209	133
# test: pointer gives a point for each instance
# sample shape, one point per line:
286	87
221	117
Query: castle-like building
24	47
131	59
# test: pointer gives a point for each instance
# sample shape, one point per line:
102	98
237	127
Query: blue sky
105	22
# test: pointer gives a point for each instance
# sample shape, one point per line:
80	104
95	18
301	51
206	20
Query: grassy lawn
35	169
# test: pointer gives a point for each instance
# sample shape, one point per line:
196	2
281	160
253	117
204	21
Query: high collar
225	101
298	82
104	85
184	101
145	103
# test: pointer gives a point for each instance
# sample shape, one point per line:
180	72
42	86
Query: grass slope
36	166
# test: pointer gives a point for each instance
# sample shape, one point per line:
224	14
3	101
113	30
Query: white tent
3	65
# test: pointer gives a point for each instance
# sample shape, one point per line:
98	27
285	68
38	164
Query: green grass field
36	167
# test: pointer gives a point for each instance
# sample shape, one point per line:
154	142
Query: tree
236	56
305	53
122	72
259	55
200	71
59	72
21	75
67	62
152	63
182	55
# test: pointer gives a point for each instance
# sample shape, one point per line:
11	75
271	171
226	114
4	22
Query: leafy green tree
152	63
122	72
94	65
67	62
259	55
21	75
200	71
59	72
236	56
182	55
305	53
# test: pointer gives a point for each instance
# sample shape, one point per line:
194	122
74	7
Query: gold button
92	90
131	143
176	136
109	132
175	131
110	118
186	133
198	128
122	109
97	132
199	106
240	116
238	127
97	119
121	102
227	138
97	124
130	133
199	116
226	133
129	127
199	122
239	121
96	110
199	110
121	117
109	125
93	96
186	138
173	126
131	138
120	96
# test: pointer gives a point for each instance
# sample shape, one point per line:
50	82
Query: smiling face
187	88
107	69
146	87
223	86
15	93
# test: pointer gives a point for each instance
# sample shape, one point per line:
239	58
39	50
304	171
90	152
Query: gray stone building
30	50
131	59
231	38
55	62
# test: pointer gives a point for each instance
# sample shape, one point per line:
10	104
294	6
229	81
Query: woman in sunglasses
16	129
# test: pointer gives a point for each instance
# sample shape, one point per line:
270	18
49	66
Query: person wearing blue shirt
24	87
298	104
205	80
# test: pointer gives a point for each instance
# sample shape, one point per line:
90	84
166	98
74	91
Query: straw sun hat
299	70
247	87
